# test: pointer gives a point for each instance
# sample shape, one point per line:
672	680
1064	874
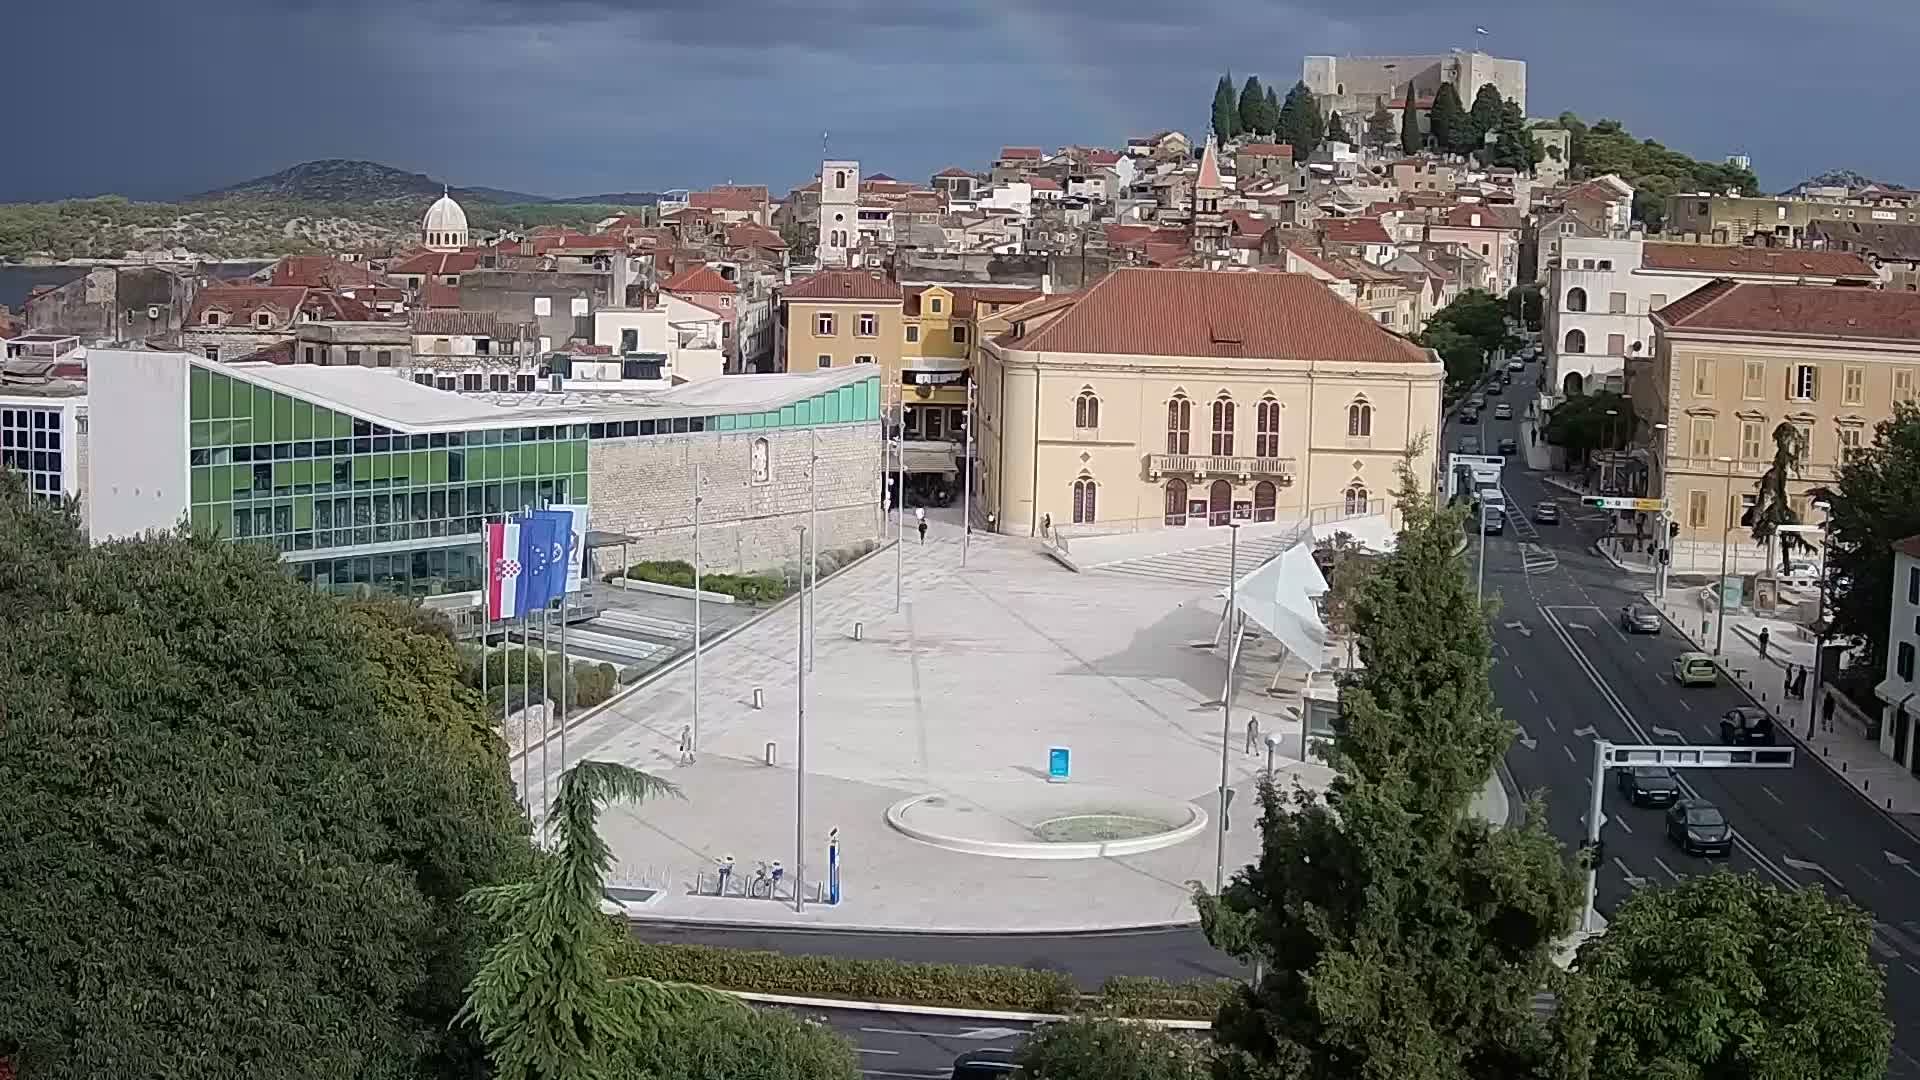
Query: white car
1516	365
1503	411
1800	573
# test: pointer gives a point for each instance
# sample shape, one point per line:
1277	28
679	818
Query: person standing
1253	733
1764	636
686	744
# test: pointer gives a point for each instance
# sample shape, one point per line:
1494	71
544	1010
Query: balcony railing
1202	465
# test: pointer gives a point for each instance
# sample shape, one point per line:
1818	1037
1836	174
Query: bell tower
839	211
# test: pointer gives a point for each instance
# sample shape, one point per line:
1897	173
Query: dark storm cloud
567	96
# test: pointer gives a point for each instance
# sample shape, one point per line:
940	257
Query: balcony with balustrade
1208	466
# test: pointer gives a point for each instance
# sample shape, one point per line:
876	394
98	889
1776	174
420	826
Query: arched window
1179	425
1219	503
1086	410
840	179
1576	342
1176	501
1265	496
1223	426
1084	493
1576	299
1356	499
1266	428
1359	419
1573	385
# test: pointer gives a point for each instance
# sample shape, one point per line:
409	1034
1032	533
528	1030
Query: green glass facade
325	486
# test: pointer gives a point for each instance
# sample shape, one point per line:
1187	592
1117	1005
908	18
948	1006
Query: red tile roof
1714	259
1836	312
241	302
1489	217
1119	235
1246	222
1042	183
1266	149
842	285
475	323
953	171
1365	230
749	234
738	201
1019	153
436	262
1207	313
433	294
1209	167
1909	547
698	279
757	192
1103	157
321	272
967	298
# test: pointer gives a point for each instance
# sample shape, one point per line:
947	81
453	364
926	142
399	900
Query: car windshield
1653	775
1705	815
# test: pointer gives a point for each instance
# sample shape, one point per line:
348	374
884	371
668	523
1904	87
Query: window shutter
1813	382
1791	368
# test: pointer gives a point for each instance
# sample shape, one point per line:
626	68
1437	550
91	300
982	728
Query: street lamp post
696	609
1480	578
1662	567
966	476
1226	700
1720	587
800	744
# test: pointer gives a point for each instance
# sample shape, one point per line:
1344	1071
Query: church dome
445	225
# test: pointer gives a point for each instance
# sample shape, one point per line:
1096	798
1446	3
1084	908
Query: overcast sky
568	97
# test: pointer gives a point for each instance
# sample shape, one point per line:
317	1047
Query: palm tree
543	999
1770	508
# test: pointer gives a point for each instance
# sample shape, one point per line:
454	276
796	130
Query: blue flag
536	558
559	553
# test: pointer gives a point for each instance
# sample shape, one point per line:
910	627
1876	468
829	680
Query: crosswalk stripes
1536	559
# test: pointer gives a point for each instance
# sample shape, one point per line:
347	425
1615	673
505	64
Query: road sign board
1674	756
1614	502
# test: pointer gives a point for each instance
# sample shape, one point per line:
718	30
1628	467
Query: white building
1899	692
43	434
678	339
1600	293
839	230
445	226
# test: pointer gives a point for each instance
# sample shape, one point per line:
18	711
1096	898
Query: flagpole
697	496
486	610
546	666
526	683
813	531
566	666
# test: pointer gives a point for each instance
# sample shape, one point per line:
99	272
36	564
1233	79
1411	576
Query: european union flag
559	552
536	561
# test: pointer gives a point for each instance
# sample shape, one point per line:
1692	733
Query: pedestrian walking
1253	733
1786	684
1763	642
686	745
921	514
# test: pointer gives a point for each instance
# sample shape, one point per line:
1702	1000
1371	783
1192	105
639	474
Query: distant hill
1840	178
340	180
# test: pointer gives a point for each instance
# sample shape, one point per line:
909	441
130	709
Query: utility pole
966	476
1720	587
800	747
697	496
1480	579
813	530
899	498
1226	701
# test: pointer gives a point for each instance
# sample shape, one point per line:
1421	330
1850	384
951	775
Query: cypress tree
1410	139
1447	119
1336	130
1380	124
1299	124
1226	118
1482	119
1253	103
1272	112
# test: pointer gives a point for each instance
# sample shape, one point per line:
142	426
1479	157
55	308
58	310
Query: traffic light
1673	529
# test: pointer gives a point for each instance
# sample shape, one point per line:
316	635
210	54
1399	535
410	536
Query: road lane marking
1684	705
1634	880
1569	751
867	1050
1621	820
1916	971
1534	696
1871	876
1640	656
1813	868
1519	672
1771	795
1550	724
1817	835
1662	864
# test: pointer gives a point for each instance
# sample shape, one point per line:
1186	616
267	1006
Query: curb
953	1013
882	930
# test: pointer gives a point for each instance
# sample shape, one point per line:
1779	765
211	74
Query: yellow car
1695	669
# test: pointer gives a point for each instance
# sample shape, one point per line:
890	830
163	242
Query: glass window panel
221	395
420	471
200	391
451	467
262	415
303	420
201	433
282	418
202	485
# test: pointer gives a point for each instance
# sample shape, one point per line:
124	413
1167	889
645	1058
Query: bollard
769	753
859	631
759	698
1889	804
1866	785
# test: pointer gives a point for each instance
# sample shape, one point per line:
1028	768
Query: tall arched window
1179	425
1356	499
1084	493
1266	428
1223	426
1359	419
1573	385
1176	501
1219	503
1086	410
840	179
1576	342
1576	299
1265	498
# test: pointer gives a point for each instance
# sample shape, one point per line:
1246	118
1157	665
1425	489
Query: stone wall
644	487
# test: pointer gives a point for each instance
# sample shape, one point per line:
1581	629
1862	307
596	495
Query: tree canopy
1379	124
1482	119
1336	129
1466	333
1654	170
1253	108
1723	975
1300	124
1098	1049
1448	119
235	815
1226	114
1410	138
1772	506
1513	146
1581	425
1871	507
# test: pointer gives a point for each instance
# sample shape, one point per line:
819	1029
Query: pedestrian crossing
1537	559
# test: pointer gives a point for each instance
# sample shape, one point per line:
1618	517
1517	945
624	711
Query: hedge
752	588
966	986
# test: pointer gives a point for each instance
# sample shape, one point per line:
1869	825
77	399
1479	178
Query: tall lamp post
1720	587
1480	577
1661	566
1226	700
1820	612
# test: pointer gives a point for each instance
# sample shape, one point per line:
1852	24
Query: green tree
1411	140
1096	1049
1400	936
1271	114
718	1038
1514	146
1379	124
1723	975
1345	563
1299	124
1462	354
1477	314
1655	171
1336	130
1527	304
1253	108
1482	119
1602	420
1448	119
1226	115
235	815
1771	508
1868	510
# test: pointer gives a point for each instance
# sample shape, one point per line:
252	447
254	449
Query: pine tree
1514	146
1253	103
1410	138
1379	124
1226	117
1447	119
1336	130
1482	120
1299	124
1272	112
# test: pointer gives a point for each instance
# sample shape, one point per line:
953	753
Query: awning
1900	694
1279	596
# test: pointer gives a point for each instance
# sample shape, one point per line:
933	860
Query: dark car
1747	725
1509	445
1547	513
1649	785
1493	389
1494	521
1639	619
1469	416
985	1065
1698	827
1469	444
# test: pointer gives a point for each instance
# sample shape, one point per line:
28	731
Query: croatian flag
504	570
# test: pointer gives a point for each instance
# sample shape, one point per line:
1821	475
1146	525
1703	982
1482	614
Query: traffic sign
1612	502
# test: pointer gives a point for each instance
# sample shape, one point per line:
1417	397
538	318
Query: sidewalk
1841	745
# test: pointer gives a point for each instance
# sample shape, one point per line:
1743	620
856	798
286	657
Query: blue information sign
1058	758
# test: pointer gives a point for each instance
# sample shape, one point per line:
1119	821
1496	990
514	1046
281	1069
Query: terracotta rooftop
321	272
1909	547
954	170
1836	312
434	294
436	262
1466	215
241	303
1265	149
1209	167
1043	183
842	285
1364	230
748	234
1019	153
1715	259
1103	157
440	321
1209	313
735	200
966	298
698	279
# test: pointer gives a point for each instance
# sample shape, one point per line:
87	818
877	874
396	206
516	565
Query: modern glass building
361	479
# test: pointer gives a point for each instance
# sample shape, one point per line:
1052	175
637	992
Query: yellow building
1190	398
938	346
1733	360
838	318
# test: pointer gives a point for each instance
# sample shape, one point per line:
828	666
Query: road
1567	675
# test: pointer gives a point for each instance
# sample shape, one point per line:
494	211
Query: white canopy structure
1278	597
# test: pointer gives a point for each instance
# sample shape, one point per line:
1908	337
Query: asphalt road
896	1045
1566	675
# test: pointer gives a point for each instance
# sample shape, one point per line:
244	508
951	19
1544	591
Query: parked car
1695	669
1649	785
1517	365
1639	619
1469	444
1477	401
1699	828
989	1064
1800	573
1469	416
1493	388
1493	522
1503	411
1547	513
1509	445
1746	725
